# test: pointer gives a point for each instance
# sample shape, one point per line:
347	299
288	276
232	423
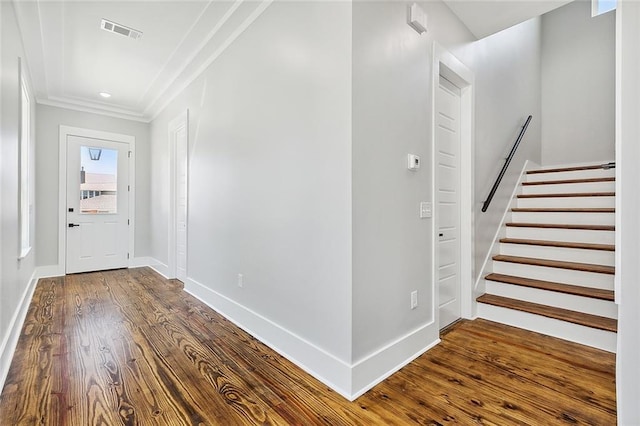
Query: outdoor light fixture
94	153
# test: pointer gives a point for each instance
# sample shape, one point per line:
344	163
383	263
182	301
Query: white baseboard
10	341
48	271
156	265
322	365
349	380
376	367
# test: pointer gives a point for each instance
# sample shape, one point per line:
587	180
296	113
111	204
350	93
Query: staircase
554	273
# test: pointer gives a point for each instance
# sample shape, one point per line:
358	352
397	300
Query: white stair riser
600	339
565	218
571	202
581	174
571	302
596	257
558	234
564	276
564	188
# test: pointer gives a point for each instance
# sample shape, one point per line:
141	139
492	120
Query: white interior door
97	204
448	200
178	137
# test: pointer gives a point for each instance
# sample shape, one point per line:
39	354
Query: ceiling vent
112	27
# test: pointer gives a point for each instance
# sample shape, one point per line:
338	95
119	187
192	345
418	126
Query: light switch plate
413	162
425	210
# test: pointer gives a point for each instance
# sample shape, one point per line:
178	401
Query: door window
98	180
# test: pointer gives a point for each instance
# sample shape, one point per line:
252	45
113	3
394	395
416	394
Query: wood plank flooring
128	347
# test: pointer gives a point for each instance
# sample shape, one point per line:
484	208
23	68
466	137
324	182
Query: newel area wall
298	136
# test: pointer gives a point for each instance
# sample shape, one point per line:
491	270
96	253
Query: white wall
392	67
578	85
15	274
392	80
507	67
47	131
628	208
269	182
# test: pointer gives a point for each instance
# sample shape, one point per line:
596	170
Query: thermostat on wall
413	162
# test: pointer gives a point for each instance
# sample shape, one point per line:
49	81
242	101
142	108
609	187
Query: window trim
24	168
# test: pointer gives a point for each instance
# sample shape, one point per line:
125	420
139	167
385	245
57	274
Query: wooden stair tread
563	244
562	226
569	194
564	181
574	266
565	169
594	293
563	210
580	318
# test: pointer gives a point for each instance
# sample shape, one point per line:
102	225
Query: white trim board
66	131
181	121
450	67
500	233
8	345
348	379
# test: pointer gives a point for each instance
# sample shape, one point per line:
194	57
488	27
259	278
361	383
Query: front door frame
66	131
447	65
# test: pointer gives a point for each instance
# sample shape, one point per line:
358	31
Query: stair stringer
501	232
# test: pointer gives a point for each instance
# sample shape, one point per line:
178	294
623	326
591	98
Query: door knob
71	225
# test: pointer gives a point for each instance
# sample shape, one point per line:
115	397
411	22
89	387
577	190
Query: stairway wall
578	85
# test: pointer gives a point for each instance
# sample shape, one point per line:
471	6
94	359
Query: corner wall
578	85
269	184
392	113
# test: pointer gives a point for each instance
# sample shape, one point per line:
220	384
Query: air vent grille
113	27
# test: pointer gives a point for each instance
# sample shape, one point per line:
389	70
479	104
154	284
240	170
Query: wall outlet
240	280
414	299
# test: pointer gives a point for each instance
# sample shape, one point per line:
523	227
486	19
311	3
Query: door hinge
128	223
129	188
129	154
127	255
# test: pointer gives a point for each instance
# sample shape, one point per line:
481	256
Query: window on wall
598	7
25	143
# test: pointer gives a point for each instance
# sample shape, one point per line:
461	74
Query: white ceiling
486	17
72	60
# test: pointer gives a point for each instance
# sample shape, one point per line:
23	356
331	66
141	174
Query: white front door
448	200
97	204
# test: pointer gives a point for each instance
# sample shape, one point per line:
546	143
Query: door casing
181	121
66	131
447	65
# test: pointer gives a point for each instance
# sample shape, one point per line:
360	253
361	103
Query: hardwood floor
128	347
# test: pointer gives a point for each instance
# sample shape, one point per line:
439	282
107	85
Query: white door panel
97	204
448	200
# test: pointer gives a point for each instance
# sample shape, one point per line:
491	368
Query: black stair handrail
494	188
